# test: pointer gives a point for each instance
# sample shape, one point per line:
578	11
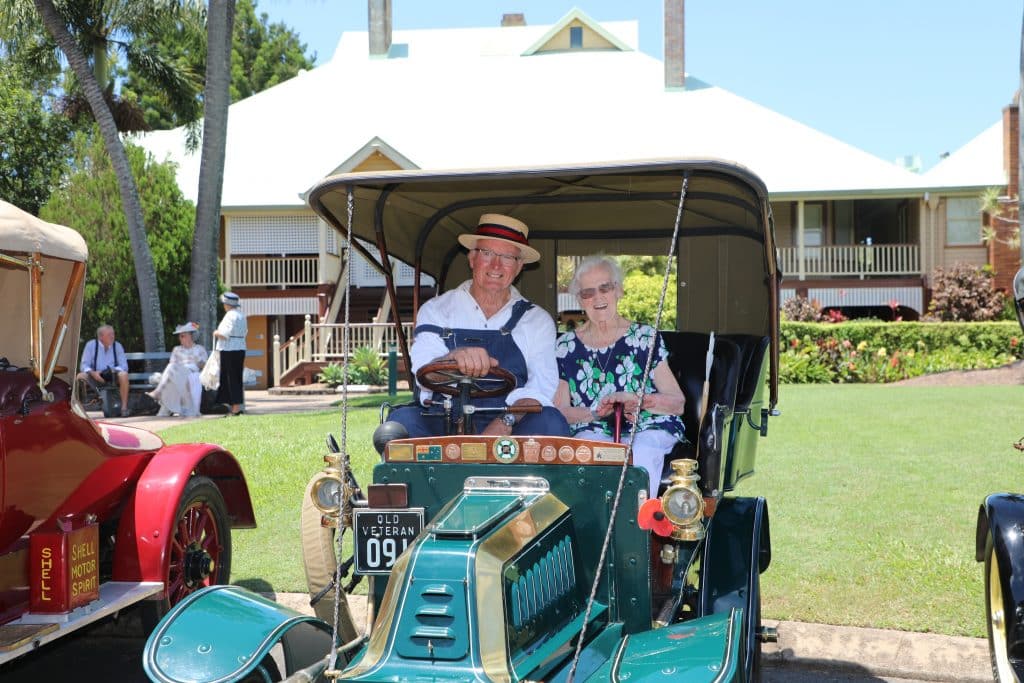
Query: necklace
607	354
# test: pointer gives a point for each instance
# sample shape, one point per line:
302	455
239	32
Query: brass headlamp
330	493
682	501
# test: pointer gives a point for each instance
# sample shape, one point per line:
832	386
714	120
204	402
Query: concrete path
257	402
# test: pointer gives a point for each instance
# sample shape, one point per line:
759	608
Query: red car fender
148	519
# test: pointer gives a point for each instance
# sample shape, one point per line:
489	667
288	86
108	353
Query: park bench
139	373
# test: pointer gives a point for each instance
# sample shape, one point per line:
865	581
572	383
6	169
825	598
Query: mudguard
221	633
1001	516
148	517
705	649
737	549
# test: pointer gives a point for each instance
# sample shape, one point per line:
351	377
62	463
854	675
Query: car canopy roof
22	232
727	273
36	315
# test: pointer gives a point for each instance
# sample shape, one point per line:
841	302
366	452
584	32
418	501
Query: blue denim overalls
500	345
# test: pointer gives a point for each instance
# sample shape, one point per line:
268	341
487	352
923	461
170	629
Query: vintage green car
530	558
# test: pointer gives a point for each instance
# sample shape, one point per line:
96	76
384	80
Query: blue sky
892	77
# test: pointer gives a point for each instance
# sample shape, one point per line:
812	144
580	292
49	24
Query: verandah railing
851	260
270	271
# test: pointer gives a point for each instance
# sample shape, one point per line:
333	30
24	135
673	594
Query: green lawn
873	492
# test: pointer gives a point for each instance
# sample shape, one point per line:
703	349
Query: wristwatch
509	419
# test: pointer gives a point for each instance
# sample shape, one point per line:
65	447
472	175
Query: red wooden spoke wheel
199	549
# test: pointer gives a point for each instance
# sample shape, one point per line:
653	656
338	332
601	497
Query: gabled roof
574	15
977	164
467	98
376	146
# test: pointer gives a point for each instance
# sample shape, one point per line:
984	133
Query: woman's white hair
590	263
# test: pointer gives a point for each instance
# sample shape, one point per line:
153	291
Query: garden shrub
964	293
888	352
332	375
800	309
365	367
368	367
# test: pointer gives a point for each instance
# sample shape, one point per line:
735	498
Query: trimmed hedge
888	352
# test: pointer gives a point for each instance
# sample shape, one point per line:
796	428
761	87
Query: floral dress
593	373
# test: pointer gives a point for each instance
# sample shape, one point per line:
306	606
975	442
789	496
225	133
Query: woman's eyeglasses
489	254
589	292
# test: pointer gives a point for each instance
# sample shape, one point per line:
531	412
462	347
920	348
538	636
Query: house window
963	221
575	37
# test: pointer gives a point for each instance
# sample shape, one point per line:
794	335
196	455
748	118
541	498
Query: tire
321	562
996	617
198	550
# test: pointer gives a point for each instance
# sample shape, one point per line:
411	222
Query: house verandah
854	252
886	257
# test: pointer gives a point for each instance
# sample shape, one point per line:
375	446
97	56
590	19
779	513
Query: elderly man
485	322
104	362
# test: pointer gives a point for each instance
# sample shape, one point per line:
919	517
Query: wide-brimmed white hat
495	226
186	327
230	298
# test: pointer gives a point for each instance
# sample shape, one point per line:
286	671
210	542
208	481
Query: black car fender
737	549
738	538
1001	516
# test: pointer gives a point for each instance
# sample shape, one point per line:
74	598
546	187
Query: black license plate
381	535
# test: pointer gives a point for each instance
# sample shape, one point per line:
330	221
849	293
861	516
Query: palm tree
145	272
202	306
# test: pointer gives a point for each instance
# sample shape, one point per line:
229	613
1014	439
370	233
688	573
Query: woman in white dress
179	390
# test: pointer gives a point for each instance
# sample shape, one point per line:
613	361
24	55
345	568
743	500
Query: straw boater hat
186	327
230	298
494	226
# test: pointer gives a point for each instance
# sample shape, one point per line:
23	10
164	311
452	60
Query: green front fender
222	633
705	650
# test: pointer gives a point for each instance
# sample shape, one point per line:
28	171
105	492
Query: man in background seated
104	362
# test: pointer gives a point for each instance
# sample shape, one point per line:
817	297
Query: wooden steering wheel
443	377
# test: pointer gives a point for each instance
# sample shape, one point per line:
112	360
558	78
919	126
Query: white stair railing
324	343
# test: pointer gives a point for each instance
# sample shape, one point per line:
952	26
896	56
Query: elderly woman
178	390
602	362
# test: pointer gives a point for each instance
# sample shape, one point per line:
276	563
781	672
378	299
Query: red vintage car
94	516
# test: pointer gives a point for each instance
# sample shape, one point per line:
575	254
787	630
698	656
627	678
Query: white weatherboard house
853	230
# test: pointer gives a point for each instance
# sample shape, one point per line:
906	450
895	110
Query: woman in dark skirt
229	339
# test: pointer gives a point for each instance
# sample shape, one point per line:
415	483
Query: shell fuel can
64	565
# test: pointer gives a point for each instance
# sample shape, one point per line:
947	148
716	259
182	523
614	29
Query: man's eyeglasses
490	254
604	288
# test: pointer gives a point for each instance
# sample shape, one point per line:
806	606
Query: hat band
500	232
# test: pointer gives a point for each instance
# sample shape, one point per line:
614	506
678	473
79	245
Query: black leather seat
752	353
688	361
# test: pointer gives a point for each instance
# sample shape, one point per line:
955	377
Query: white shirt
234	327
534	334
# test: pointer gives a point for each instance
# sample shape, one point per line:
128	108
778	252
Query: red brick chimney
675	74
513	19
380	27
1003	256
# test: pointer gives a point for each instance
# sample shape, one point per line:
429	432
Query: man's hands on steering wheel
472	360
477	376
